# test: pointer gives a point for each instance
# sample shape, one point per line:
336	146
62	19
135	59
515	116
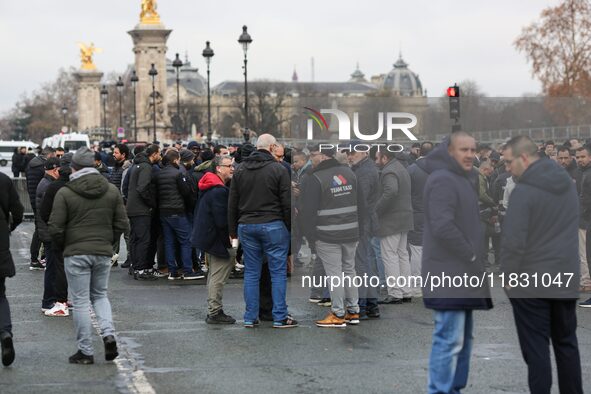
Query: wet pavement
166	347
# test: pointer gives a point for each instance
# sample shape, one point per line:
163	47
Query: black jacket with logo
330	204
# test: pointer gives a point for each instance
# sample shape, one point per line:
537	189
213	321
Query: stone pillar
149	46
89	99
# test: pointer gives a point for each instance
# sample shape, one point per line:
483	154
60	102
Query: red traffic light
453	91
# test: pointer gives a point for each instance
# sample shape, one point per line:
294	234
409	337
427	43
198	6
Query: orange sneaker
352	318
332	320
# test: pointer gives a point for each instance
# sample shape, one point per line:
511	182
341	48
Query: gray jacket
394	208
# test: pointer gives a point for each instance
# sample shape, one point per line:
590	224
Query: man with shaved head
259	213
452	245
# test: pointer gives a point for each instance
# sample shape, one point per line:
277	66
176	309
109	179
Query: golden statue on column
86	53
149	15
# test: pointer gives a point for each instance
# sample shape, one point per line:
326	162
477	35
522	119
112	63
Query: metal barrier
21	188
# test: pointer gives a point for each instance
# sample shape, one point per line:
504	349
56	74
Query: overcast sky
442	40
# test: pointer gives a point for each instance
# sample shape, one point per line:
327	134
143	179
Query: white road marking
132	379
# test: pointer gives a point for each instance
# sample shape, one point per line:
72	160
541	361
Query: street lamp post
64	113
134	81
152	73
119	85
245	41
177	64
208	54
104	94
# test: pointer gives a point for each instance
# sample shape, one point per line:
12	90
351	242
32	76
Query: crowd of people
207	212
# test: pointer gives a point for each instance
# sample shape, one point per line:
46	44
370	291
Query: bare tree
38	115
559	48
267	107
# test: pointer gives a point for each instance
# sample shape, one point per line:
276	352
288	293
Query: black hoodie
260	192
540	233
141	198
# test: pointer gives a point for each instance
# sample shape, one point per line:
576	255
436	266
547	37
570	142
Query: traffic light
453	92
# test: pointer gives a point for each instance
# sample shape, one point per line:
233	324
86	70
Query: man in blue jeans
452	244
176	226
87	215
259	211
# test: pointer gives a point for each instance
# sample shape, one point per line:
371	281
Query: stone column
89	99
149	46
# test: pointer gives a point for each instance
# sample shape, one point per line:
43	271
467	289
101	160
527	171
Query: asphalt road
166	347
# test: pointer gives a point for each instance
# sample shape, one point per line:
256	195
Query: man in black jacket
49	305
60	283
260	213
9	205
141	200
540	241
19	160
34	173
173	216
566	160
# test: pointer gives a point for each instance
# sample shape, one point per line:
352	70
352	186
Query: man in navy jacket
540	243
210	234
452	241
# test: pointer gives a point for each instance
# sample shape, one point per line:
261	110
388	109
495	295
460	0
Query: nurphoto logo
390	119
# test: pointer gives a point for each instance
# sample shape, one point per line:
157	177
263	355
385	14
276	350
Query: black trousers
139	238
35	245
61	283
588	246
541	320
156	251
5	322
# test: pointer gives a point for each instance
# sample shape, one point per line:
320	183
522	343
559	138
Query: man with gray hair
259	212
87	215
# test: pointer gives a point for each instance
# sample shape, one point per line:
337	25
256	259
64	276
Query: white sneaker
58	310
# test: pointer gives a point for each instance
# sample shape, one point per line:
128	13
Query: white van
7	149
71	142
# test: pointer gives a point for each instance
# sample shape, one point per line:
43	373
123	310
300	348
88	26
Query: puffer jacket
170	199
88	214
42	230
35	172
116	175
